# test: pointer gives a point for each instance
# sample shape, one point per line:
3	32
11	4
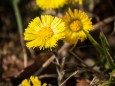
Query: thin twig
105	21
74	73
84	69
45	65
56	64
78	58
93	81
113	29
98	74
59	69
48	76
63	62
112	5
51	59
75	55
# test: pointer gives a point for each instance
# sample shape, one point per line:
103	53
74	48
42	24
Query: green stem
96	45
18	16
100	50
110	61
110	80
20	28
107	50
92	40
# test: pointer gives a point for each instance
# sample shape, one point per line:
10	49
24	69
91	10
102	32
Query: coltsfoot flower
50	4
44	32
78	1
34	81
76	22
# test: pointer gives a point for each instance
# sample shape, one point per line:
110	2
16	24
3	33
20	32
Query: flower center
45	33
75	25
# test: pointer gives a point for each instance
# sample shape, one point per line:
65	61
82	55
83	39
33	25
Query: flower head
44	32
25	83
76	22
34	80
50	4
78	1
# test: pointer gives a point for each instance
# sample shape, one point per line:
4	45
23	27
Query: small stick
105	21
45	65
63	62
48	76
53	57
77	57
93	81
74	73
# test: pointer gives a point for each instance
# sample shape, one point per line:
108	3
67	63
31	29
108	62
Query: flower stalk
20	28
92	40
102	50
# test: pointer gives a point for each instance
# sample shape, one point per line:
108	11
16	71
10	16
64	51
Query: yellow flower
44	32
50	4
34	80
25	83
76	22
79	1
